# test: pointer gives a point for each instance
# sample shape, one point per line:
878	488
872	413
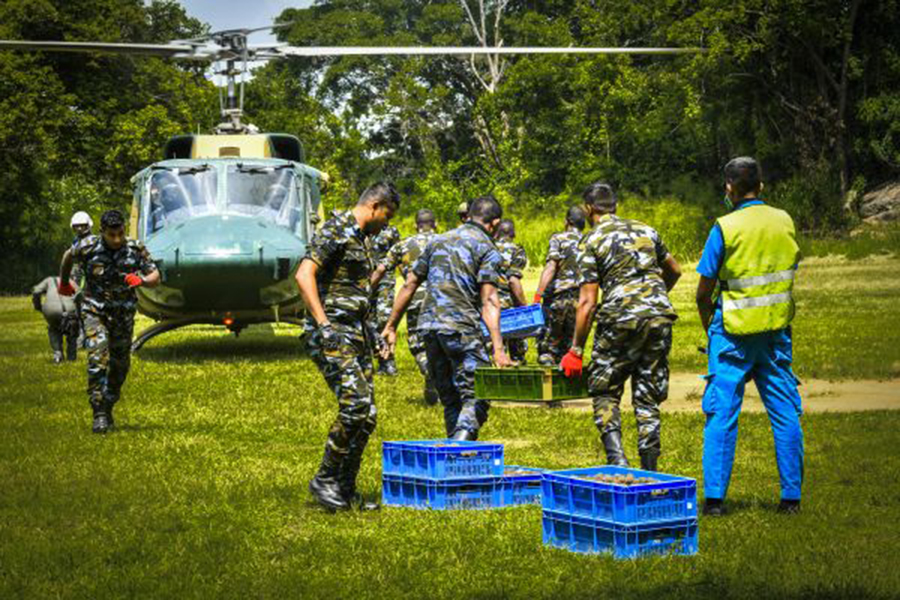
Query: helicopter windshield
264	191
180	193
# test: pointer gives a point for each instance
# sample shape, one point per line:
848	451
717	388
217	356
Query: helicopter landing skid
171	324
162	327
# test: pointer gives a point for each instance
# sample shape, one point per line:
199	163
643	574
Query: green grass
201	493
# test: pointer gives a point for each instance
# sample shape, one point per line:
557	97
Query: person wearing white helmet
81	224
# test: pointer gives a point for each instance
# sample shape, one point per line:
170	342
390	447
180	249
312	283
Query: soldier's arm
705	289
518	294
671	272
309	290
65	268
377	275
401	303
584	315
151	279
547	276
490	314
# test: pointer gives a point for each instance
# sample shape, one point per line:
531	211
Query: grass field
202	491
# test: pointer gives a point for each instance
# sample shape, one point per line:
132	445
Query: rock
882	204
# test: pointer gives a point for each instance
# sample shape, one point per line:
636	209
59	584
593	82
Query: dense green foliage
810	88
202	491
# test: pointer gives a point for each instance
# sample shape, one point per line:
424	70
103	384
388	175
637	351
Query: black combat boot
349	472
789	507
713	507
109	413
101	420
615	453
324	486
648	460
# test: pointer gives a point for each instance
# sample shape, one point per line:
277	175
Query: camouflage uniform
344	255
107	313
563	299
514	262
454	265
383	297
634	325
403	255
62	320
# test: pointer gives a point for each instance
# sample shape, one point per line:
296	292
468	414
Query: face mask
728	203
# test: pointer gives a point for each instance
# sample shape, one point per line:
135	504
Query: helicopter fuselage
227	235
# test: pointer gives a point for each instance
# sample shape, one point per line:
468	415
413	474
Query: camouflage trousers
452	360
108	340
560	327
382	304
348	372
415	341
64	328
638	349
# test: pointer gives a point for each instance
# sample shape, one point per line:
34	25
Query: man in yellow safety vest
746	306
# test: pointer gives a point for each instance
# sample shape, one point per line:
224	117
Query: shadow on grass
270	348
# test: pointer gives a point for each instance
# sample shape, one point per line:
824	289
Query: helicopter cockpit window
180	193
263	191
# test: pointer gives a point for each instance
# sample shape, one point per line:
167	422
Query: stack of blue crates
590	516
442	474
449	474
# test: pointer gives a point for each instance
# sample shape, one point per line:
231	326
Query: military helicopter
228	216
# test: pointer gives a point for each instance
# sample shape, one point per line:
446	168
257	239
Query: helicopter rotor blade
261	52
161	50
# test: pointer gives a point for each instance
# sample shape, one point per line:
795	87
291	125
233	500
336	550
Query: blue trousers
733	361
452	360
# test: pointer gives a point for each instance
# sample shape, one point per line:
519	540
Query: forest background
811	88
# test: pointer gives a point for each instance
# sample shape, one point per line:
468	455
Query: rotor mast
232	107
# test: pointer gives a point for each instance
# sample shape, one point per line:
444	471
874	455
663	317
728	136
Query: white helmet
81	218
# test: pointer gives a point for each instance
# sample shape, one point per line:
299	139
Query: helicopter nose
228	262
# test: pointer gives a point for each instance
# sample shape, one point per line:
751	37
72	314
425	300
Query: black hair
112	219
485	209
600	195
506	228
383	192
424	216
575	216
744	175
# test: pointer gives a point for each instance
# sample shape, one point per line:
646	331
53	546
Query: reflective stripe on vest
757	274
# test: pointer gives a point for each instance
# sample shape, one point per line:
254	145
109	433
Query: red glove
134	280
66	289
537	298
571	364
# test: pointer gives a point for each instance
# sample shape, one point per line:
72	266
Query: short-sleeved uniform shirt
404	254
514	262
624	257
104	270
344	255
455	264
564	251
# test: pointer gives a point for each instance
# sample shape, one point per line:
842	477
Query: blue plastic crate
438	494
672	497
519	322
442	459
579	534
521	488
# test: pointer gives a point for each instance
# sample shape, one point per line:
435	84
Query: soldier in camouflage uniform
383	297
113	267
461	268
629	261
560	272
511	293
404	255
334	282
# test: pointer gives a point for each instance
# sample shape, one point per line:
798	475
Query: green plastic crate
528	384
